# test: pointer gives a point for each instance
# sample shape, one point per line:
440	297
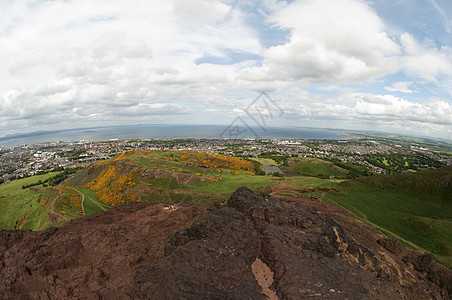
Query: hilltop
246	247
147	175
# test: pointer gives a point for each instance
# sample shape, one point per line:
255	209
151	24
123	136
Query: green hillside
39	207
416	208
413	207
426	184
24	208
314	167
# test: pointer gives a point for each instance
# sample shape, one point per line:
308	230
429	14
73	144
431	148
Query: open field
314	167
16	185
264	161
25	208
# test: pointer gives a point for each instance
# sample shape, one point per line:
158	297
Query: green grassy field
25	209
203	191
314	167
230	183
37	218
399	213
265	161
91	204
16	185
29	208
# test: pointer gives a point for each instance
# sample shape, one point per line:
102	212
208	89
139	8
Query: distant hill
313	167
164	176
435	183
153	175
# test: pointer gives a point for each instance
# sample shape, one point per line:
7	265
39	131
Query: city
377	155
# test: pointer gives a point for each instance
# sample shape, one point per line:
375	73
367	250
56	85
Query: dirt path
81	203
267	163
82	209
54	216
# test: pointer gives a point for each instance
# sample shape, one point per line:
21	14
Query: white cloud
85	59
332	40
400	86
199	12
426	62
365	111
80	63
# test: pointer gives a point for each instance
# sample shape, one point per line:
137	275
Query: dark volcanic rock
309	253
216	260
94	257
250	247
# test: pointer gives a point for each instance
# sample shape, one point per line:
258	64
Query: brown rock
309	254
250	247
92	257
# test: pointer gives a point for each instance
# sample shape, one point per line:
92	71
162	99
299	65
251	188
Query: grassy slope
401	214
24	208
176	177
171	176
29	208
217	189
314	167
91	204
16	185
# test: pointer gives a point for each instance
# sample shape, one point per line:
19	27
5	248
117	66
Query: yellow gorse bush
214	162
69	198
113	185
109	186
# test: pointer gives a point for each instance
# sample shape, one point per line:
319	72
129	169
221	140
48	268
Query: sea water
171	132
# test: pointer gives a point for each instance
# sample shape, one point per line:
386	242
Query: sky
351	64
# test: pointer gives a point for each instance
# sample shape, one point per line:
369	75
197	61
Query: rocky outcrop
308	255
249	247
94	257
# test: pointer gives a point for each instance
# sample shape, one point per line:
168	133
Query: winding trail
54	216
267	162
82	209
